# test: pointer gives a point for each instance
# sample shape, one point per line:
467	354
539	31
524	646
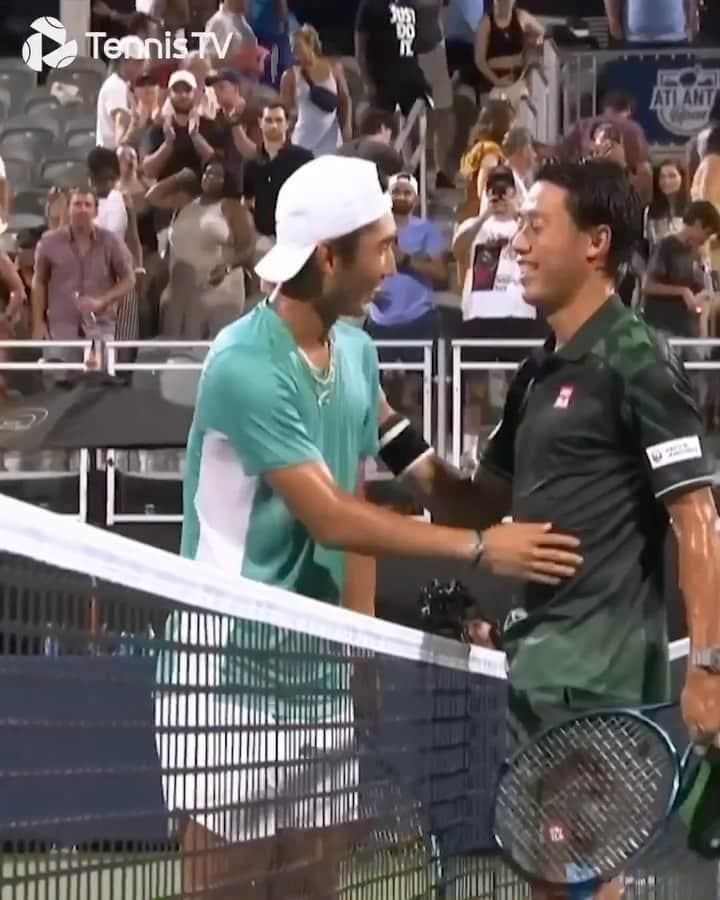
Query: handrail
417	116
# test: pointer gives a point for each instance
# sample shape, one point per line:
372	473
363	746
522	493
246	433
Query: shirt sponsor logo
670	452
564	397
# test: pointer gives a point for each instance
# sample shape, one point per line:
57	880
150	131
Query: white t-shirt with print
114	95
492	287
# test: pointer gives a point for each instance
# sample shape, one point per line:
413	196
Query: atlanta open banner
673	92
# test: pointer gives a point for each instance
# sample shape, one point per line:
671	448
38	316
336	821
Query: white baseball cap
404	178
183	76
325	199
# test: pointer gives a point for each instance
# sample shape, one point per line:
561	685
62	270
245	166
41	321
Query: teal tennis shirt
259	408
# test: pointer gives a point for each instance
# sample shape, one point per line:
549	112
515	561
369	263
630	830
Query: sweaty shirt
593	437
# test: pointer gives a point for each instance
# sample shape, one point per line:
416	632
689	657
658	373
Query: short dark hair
599	193
102	159
373	119
618	102
703	213
274	104
307	284
713	140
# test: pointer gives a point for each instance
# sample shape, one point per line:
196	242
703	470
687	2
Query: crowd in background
174	202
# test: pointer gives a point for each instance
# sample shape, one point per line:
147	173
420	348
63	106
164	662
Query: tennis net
170	732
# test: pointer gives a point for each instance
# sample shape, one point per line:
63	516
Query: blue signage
673	93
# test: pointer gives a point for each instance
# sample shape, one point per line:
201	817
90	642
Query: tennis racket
579	805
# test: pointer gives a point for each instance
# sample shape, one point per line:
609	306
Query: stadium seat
5	103
23	133
63	171
18	171
24	222
88	82
41	103
29	202
17	80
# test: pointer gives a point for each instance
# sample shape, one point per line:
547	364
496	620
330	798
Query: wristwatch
707	659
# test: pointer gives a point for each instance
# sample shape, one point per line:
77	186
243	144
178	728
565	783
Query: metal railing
417	118
442	366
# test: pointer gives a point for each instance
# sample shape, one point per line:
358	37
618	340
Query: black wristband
401	444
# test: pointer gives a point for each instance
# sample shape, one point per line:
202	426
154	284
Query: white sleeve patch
676	451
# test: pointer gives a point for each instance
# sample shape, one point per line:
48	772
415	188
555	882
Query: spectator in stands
228	135
134	187
492	299
403	309
697	146
385	48
4	194
275	162
519	151
675	287
26	242
652	21
491	290
269	19
377	131
432	56
211	239
182	141
145	109
706	184
484	153
315	90
12	308
617	110
606	142
116	213
174	15
56	207
500	48
670	199
205	101
114	107
82	271
462	19
244	53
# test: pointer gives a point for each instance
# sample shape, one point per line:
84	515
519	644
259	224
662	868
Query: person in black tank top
500	43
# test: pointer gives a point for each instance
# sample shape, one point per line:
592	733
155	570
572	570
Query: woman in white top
212	238
116	213
669	201
317	90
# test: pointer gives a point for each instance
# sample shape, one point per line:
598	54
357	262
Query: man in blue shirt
652	21
270	22
462	18
403	308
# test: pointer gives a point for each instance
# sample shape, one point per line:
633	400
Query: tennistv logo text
48	46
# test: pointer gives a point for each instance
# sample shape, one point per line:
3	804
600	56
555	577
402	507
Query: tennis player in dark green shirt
601	435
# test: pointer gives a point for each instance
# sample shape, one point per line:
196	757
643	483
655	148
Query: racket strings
585	798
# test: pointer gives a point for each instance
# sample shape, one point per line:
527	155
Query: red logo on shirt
563	398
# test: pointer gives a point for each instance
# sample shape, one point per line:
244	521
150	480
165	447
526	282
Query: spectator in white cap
182	140
403	308
114	109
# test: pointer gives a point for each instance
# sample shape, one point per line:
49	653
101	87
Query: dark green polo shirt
593	437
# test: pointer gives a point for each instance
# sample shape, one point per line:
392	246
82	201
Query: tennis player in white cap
286	414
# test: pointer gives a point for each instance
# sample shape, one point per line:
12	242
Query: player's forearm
454	499
694	520
360	582
359	527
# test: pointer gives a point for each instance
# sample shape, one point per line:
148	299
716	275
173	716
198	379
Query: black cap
223	75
